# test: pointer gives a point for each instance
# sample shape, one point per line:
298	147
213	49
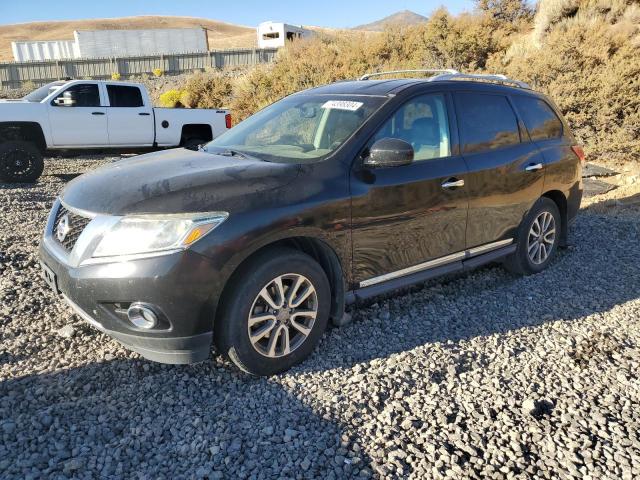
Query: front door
78	117
506	170
406	215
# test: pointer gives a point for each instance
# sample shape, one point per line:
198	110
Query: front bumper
182	287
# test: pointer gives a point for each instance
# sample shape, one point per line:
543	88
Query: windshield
300	128
43	92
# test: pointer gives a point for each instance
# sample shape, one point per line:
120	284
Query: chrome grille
77	224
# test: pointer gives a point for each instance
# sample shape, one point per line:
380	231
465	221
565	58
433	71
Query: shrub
115	76
157	72
172	99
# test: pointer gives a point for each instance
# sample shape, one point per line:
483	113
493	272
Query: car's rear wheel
538	239
20	162
273	312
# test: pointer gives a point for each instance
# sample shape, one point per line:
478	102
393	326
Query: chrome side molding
437	262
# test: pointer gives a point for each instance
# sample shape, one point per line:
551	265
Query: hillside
221	35
399	19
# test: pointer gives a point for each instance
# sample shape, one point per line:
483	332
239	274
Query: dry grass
221	35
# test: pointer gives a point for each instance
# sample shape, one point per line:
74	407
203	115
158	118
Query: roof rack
367	76
450	74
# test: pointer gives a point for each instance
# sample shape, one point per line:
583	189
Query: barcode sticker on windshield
343	105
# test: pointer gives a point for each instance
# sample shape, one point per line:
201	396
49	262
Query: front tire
273	312
20	162
538	239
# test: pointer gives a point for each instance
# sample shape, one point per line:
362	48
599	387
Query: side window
423	123
486	122
540	120
121	96
82	95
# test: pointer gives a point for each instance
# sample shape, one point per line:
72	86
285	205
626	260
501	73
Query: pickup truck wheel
20	162
274	311
192	143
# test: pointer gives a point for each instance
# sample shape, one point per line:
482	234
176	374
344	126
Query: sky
325	13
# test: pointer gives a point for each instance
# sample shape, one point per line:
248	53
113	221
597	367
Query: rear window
486	122
539	118
121	96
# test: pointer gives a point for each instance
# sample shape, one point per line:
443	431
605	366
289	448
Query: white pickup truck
88	114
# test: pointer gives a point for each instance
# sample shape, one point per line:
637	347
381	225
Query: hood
178	181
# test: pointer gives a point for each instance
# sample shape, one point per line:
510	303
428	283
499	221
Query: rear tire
537	240
193	143
274	312
20	162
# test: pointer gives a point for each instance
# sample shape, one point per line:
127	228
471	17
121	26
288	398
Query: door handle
533	167
97	113
453	183
144	114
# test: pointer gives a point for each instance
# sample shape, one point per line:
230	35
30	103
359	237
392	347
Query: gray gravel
483	375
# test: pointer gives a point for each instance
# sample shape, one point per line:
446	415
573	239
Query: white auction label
343	105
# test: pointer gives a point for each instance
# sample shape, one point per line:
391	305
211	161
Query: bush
115	76
172	99
157	72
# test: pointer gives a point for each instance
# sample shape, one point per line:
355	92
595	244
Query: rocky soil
482	375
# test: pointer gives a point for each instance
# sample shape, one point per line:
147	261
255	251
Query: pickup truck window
39	94
84	94
122	96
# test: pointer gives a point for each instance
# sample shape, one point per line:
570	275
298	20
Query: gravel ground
481	375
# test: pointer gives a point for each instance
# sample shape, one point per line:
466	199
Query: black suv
327	197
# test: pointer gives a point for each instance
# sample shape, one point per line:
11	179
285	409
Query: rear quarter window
486	122
539	118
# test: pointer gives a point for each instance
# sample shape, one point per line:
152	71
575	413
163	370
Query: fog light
142	316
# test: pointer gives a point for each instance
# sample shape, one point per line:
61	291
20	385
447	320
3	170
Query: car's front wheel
538	239
273	312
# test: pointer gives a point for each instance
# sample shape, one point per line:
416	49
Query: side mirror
66	100
389	152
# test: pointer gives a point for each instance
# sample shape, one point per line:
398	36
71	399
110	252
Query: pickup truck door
130	117
77	117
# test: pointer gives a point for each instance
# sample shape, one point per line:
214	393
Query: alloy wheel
282	315
541	238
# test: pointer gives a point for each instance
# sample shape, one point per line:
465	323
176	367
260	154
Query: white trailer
122	43
276	34
115	43
44	50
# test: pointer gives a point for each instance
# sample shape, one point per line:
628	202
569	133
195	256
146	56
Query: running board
454	266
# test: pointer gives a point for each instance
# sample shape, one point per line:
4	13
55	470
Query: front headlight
137	234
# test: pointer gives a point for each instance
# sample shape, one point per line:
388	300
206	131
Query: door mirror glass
389	152
66	100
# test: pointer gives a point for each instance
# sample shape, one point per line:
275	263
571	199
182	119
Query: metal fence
15	74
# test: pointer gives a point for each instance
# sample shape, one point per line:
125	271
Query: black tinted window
486	122
84	94
540	119
121	96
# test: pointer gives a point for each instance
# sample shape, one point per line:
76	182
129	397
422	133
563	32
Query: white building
115	43
275	34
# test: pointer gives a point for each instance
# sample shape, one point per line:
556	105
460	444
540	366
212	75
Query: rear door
82	122
130	120
506	170
406	215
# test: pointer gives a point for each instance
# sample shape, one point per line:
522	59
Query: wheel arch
201	131
25	131
317	249
560	200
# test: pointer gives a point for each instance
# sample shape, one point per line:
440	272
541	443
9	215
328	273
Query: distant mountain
399	19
